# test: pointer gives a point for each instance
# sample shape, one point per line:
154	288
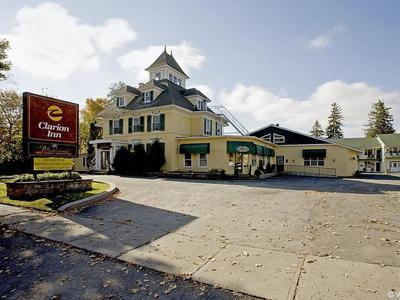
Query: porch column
97	159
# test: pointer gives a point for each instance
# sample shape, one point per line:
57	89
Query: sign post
50	132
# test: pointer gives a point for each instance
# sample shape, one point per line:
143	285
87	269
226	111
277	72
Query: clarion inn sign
50	126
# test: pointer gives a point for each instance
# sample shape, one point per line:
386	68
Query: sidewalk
259	272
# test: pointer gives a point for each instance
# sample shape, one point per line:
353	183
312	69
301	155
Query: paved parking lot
283	238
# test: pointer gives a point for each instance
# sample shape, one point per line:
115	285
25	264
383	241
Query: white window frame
147	97
279	139
136	142
120	101
208	127
314	162
200	105
115	126
179	81
206	160
136	122
157	77
154	123
267	137
185	159
218	127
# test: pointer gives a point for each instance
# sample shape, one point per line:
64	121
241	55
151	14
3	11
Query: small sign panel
50	126
52	164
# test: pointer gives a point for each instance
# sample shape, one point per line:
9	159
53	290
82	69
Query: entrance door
280	163
378	167
105	159
238	163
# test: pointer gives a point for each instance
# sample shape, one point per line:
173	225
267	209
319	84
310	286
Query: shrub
122	161
155	156
15	166
139	159
258	172
47	177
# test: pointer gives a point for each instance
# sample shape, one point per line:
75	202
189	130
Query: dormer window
148	97
201	105
120	101
179	82
279	139
158	76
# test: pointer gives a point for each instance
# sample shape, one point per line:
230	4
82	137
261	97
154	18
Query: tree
88	130
155	156
10	125
335	122
379	120
5	65
112	89
317	130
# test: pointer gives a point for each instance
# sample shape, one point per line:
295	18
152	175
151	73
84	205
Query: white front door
394	166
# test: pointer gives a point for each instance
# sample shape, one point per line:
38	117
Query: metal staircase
224	112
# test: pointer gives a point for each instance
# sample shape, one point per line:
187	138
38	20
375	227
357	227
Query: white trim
303	134
202	167
191	160
322	145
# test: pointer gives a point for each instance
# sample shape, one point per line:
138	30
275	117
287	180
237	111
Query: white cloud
257	107
320	42
48	43
136	61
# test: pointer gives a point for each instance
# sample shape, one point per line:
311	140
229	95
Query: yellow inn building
193	135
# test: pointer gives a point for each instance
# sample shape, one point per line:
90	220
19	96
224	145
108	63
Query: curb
86	201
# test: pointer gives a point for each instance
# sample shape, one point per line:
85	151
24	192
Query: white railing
224	112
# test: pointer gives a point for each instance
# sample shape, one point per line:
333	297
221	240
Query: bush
123	161
258	172
47	177
139	159
155	156
16	166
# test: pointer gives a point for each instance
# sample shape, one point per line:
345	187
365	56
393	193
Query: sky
267	62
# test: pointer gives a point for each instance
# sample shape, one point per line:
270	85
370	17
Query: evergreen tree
317	130
335	122
379	120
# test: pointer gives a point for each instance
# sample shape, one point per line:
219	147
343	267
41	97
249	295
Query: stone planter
34	189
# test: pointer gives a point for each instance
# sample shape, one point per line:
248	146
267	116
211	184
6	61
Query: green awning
194	148
240	147
268	152
314	153
259	150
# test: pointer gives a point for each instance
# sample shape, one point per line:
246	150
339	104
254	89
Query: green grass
51	203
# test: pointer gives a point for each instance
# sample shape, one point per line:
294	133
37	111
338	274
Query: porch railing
309	171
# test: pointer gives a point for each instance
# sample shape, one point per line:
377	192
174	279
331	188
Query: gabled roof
166	59
360	143
193	91
390	140
308	138
172	94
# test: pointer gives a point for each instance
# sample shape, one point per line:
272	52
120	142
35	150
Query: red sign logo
52	120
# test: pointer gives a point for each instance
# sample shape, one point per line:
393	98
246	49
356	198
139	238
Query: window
279	139
179	82
207	126
175	80
187	160
120	101
170	77
117	126
136	142
203	162
218	129
138	124
156	123
148	97
314	161
158	76
267	137
200	105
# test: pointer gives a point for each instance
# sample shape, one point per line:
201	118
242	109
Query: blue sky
267	61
